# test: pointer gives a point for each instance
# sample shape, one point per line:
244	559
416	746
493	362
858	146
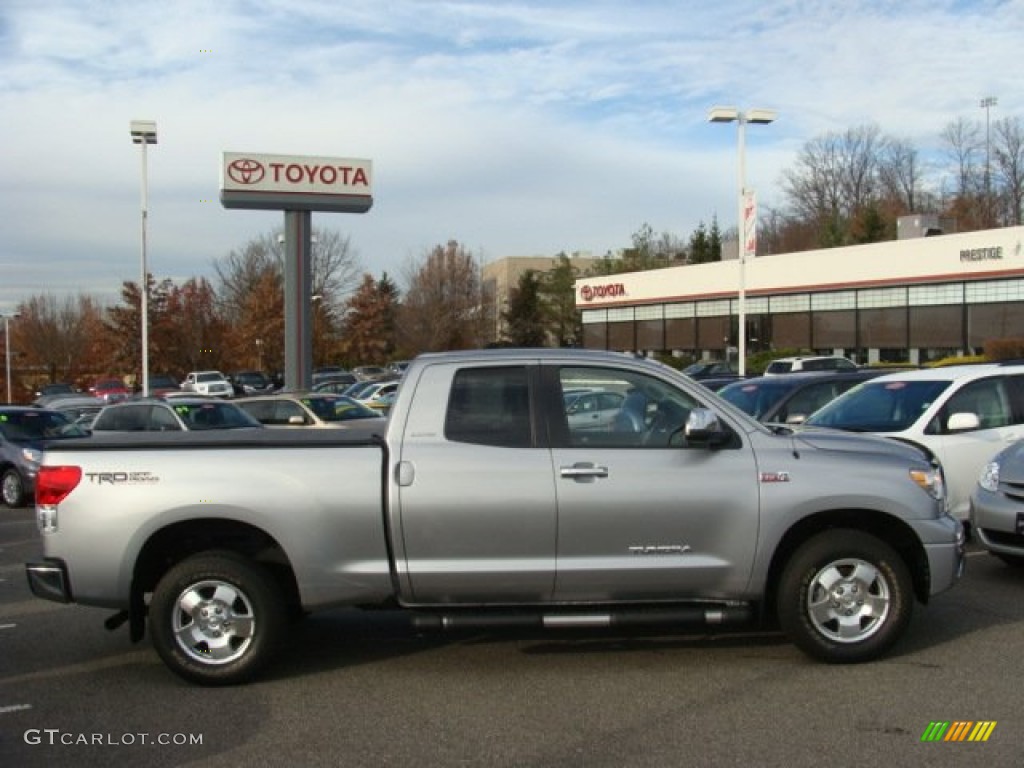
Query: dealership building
915	299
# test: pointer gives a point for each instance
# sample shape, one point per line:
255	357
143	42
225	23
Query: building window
922	295
877	298
834	300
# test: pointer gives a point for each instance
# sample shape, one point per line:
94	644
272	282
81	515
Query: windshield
22	426
214	415
756	397
879	406
211	376
339	409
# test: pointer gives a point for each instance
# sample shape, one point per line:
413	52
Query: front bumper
945	546
49	580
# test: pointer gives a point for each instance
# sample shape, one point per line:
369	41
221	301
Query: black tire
12	488
217	618
845	597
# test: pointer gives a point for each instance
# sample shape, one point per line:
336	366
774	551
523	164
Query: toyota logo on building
246	171
591	292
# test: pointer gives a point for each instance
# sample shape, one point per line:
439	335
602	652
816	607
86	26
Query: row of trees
236	321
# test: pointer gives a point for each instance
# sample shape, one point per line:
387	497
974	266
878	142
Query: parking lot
359	690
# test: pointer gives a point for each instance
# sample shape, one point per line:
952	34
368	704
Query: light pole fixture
144	133
757	117
987	103
7	349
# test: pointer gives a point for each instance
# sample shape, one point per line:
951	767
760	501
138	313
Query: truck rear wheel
217	618
845	597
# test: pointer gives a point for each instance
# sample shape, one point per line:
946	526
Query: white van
964	415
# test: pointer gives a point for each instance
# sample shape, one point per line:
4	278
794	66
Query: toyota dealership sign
297	183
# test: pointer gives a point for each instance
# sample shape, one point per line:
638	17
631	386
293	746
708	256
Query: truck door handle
583	470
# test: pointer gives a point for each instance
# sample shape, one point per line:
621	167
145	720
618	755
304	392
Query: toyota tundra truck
482	503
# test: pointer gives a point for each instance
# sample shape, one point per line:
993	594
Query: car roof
951	372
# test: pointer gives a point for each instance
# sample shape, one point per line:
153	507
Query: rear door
474	499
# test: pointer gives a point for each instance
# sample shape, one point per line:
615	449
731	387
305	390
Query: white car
964	415
810	363
213	383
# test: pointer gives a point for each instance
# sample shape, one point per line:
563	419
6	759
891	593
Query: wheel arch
170	545
888	529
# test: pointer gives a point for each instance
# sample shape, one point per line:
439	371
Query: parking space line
14	708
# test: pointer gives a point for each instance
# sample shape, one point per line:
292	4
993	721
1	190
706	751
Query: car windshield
339	409
212	376
879	406
21	426
214	415
757	397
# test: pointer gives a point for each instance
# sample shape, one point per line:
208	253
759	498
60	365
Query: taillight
55	483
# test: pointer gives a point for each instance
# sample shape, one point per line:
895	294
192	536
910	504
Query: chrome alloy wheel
213	622
848	600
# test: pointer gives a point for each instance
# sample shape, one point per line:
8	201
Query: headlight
32	456
989	477
931	481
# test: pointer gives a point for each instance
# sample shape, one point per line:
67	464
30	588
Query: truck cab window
490	406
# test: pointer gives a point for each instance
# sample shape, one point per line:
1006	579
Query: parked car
997	505
77	406
311	409
706	369
49	392
336	383
809	363
182	414
963	415
23	430
791	399
593	409
212	383
372	373
246	383
160	384
110	390
372	396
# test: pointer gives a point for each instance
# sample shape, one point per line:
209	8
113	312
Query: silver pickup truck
488	501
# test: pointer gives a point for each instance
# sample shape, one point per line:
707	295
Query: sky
522	128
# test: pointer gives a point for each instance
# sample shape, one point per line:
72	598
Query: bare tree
1009	157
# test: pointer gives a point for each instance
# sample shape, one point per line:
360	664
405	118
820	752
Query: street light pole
7	350
758	117
144	133
987	103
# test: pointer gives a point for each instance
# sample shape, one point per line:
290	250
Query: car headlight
32	456
931	481
989	477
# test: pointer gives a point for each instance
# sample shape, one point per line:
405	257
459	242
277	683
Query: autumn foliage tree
445	306
368	327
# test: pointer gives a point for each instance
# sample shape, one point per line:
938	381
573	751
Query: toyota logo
246	171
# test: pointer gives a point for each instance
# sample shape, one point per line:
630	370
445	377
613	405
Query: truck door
474	497
641	516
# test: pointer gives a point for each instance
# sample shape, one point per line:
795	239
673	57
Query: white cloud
517	128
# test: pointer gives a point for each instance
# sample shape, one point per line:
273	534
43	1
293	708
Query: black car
23	430
790	399
251	383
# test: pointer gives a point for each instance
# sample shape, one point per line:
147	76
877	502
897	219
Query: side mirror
961	422
703	427
297	421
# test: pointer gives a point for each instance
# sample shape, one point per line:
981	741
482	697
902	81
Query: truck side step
696	616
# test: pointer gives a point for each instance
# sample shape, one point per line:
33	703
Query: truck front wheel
217	618
845	597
